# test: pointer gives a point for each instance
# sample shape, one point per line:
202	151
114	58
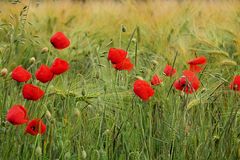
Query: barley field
119	80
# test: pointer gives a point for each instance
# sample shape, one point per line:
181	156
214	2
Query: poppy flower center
183	85
33	128
235	87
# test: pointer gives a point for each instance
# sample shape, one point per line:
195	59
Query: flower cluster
188	82
17	114
144	90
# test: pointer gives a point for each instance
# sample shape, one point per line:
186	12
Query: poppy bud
76	112
44	50
48	114
38	151
134	40
67	155
84	154
155	62
83	92
105	88
238	152
124	29
32	60
139	77
4	72
107	131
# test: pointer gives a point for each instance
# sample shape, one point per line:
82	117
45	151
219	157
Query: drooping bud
44	50
139	77
32	60
38	151
84	154
4	72
48	114
76	112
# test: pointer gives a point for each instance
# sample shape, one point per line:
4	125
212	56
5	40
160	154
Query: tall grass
94	113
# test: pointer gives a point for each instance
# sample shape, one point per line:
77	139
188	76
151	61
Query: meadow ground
91	111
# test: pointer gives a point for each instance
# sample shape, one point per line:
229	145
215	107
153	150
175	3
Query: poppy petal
59	41
32	92
169	70
17	115
59	66
44	74
116	55
20	74
143	90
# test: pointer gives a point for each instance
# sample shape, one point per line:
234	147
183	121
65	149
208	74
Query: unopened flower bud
124	29
134	40
4	72
67	155
84	154
105	88
38	151
76	112
32	60
155	62
238	152
139	77
48	114
107	131
44	50
83	92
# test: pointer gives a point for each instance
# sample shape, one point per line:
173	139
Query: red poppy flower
16	115
235	84
169	70
124	65
59	66
44	74
116	55
156	80
35	126
188	83
197	63
59	41
31	92
20	74
143	90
